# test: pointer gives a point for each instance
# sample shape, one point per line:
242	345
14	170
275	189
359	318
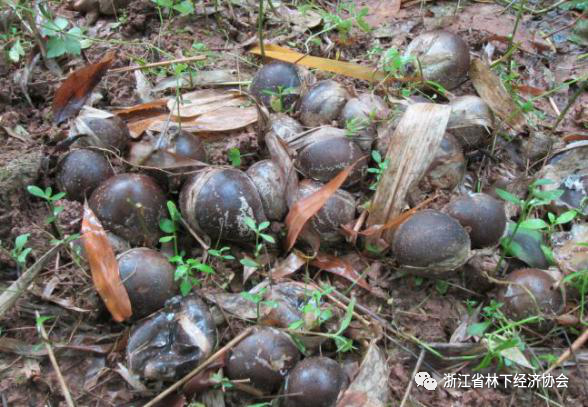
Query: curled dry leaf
307	207
199	102
492	91
75	90
340	267
370	386
104	267
288	266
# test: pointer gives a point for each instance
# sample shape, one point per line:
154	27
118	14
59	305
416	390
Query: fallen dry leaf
104	267
77	87
330	65
288	266
370	386
340	267
412	148
143	110
307	207
200	102
492	91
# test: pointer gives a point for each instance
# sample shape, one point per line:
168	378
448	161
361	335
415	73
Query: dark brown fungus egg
277	85
443	57
470	121
530	292
314	382
431	244
81	171
324	152
130	205
483	217
265	357
170	343
360	117
102	129
148	278
217	201
323	103
338	210
448	167
270	182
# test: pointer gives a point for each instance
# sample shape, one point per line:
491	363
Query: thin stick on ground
578	343
411	379
157	64
200	368
53	359
16	289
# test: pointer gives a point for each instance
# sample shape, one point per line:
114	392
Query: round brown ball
274	78
148	278
216	202
530	292
81	171
483	217
327	151
264	357
431	243
130	205
314	382
323	103
443	56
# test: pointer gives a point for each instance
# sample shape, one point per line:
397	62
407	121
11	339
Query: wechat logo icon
424	379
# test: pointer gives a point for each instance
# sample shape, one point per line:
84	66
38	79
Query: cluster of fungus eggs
216	202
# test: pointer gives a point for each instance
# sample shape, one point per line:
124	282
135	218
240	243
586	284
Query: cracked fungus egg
217	201
265	357
172	342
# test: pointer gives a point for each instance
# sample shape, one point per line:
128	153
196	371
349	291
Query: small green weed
382	166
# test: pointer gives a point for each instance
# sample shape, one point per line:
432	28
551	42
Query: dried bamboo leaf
339	67
412	149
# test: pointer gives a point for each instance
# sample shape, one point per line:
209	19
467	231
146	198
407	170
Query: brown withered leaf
288	266
143	110
200	102
370	386
77	87
492	91
104	267
340	267
307	207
